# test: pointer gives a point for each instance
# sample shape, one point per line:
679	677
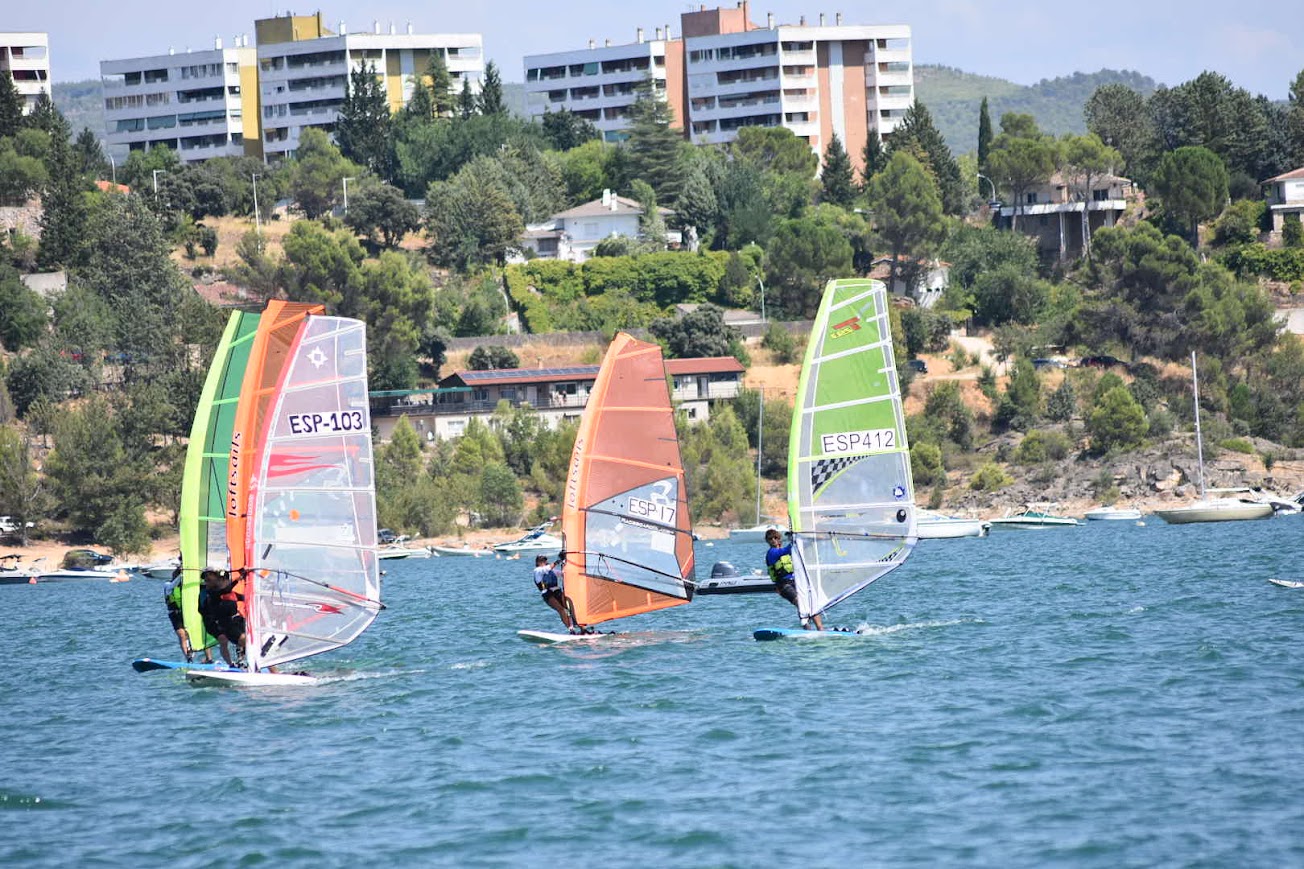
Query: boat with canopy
625	525
850	491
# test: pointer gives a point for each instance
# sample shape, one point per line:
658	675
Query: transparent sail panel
317	584
631	538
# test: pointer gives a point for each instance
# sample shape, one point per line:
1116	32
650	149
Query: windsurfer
218	604
545	579
779	562
172	597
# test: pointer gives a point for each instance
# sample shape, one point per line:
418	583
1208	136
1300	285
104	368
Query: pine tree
466	100
46	117
653	146
837	178
491	91
11	106
873	158
420	107
917	135
441	85
63	219
88	155
984	135
363	129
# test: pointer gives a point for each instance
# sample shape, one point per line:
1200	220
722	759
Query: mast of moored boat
1199	440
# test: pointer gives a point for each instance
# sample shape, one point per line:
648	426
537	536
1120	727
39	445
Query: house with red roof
557	394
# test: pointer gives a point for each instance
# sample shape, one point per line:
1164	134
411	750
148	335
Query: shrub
1040	446
1238	445
990	478
926	463
780	342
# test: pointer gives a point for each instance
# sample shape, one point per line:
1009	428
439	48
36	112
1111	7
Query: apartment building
27	58
303	69
201	104
816	80
725	72
598	83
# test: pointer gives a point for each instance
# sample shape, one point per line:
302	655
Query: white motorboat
537	538
13	573
158	569
402	550
1113	514
1033	517
465	551
1228	508
933	525
756	533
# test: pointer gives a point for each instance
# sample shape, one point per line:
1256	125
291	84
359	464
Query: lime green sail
204	480
850	492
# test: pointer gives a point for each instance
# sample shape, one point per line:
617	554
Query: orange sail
277	328
625	524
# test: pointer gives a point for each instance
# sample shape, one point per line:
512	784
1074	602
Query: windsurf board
245	679
144	665
801	634
1287	583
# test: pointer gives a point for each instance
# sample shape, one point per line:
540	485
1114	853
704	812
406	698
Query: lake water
1108	696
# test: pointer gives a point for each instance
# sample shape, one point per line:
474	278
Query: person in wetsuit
172	598
545	579
778	560
219	605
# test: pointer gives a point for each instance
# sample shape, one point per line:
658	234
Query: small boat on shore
536	538
402	550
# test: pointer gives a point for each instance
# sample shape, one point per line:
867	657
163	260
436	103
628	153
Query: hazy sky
1258	44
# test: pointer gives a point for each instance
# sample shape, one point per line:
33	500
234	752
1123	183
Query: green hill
953	98
82	103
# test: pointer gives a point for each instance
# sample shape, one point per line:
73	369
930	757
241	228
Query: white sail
315	580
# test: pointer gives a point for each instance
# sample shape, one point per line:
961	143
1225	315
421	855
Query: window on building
1100	195
1030	198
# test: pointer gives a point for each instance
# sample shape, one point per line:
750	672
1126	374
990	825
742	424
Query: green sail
204	480
850	492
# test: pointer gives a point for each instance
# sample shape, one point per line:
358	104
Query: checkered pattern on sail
824	470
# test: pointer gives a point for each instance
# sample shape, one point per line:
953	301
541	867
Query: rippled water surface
1108	696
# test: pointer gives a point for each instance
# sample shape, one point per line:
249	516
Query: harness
781	569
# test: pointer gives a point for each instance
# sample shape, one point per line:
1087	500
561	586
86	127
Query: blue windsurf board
144	665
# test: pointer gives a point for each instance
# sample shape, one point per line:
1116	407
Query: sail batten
850	492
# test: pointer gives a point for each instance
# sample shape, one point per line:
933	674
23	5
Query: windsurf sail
313	582
625	524
278	326
202	514
850	492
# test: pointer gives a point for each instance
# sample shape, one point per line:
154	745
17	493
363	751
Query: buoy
31	581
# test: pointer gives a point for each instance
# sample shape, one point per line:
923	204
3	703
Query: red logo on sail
289	464
846	327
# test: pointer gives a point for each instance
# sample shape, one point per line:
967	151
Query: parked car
84	559
1101	362
385	536
9	525
918	365
1051	362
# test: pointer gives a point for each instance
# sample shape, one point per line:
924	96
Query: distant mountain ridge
953	98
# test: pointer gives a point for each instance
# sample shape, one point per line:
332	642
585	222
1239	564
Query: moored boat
1112	514
1034	517
537	538
933	525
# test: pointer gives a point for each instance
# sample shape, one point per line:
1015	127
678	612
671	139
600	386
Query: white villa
1286	196
573	234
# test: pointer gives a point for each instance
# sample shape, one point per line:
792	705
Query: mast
1199	440
760	432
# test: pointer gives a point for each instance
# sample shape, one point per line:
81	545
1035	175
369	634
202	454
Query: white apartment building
725	72
814	79
598	84
27	58
198	103
303	71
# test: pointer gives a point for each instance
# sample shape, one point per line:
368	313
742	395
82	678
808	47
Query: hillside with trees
99	381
